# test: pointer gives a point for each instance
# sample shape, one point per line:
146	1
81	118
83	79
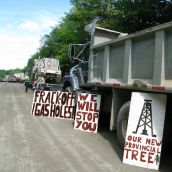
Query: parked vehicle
3	80
20	77
119	64
46	73
12	78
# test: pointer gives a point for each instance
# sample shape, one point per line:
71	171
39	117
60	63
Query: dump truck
119	64
46	73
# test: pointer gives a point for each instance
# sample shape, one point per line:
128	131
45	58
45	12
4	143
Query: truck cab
79	56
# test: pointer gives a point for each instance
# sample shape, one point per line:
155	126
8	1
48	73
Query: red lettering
85	126
42	94
58	94
158	143
126	144
84	115
78	115
92	128
33	108
129	138
139	140
52	97
37	111
142	156
64	99
95	108
36	95
148	141
95	116
47	100
127	151
134	139
83	96
153	142
81	105
91	107
87	106
158	151
134	154
78	124
150	160
93	97
52	110
89	116
68	111
46	110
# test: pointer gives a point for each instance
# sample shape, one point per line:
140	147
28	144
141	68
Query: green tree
121	15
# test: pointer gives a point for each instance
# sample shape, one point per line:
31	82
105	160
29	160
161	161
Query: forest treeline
126	16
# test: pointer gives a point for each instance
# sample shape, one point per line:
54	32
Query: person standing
26	79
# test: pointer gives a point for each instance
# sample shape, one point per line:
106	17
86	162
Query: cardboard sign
145	130
87	112
54	104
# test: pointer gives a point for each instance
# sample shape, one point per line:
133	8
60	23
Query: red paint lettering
127	152
68	110
85	126
93	97
153	142
81	105
89	116
37	111
92	127
36	95
78	115
83	96
64	99
95	116
52	97
33	108
42	94
134	154
58	94
142	156
47	100
78	124
150	160
134	138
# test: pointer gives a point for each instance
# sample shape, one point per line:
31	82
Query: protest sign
54	104
87	112
145	130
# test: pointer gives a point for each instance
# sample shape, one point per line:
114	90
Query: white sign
54	104
87	112
145	130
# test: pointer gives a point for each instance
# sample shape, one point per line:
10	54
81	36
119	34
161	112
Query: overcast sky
22	23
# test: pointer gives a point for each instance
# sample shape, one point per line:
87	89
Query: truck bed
142	59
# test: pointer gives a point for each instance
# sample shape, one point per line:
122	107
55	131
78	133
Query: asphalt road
40	144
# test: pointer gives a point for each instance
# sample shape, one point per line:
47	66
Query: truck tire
122	122
68	89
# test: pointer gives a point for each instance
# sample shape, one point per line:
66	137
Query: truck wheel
68	89
122	123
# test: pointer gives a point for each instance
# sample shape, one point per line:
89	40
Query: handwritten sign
87	112
145	130
54	104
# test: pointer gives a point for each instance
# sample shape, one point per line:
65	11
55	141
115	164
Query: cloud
15	51
29	25
40	22
21	39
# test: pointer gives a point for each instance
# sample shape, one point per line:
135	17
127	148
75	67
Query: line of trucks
114	65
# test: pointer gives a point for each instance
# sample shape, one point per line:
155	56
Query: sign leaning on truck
87	112
145	130
54	104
